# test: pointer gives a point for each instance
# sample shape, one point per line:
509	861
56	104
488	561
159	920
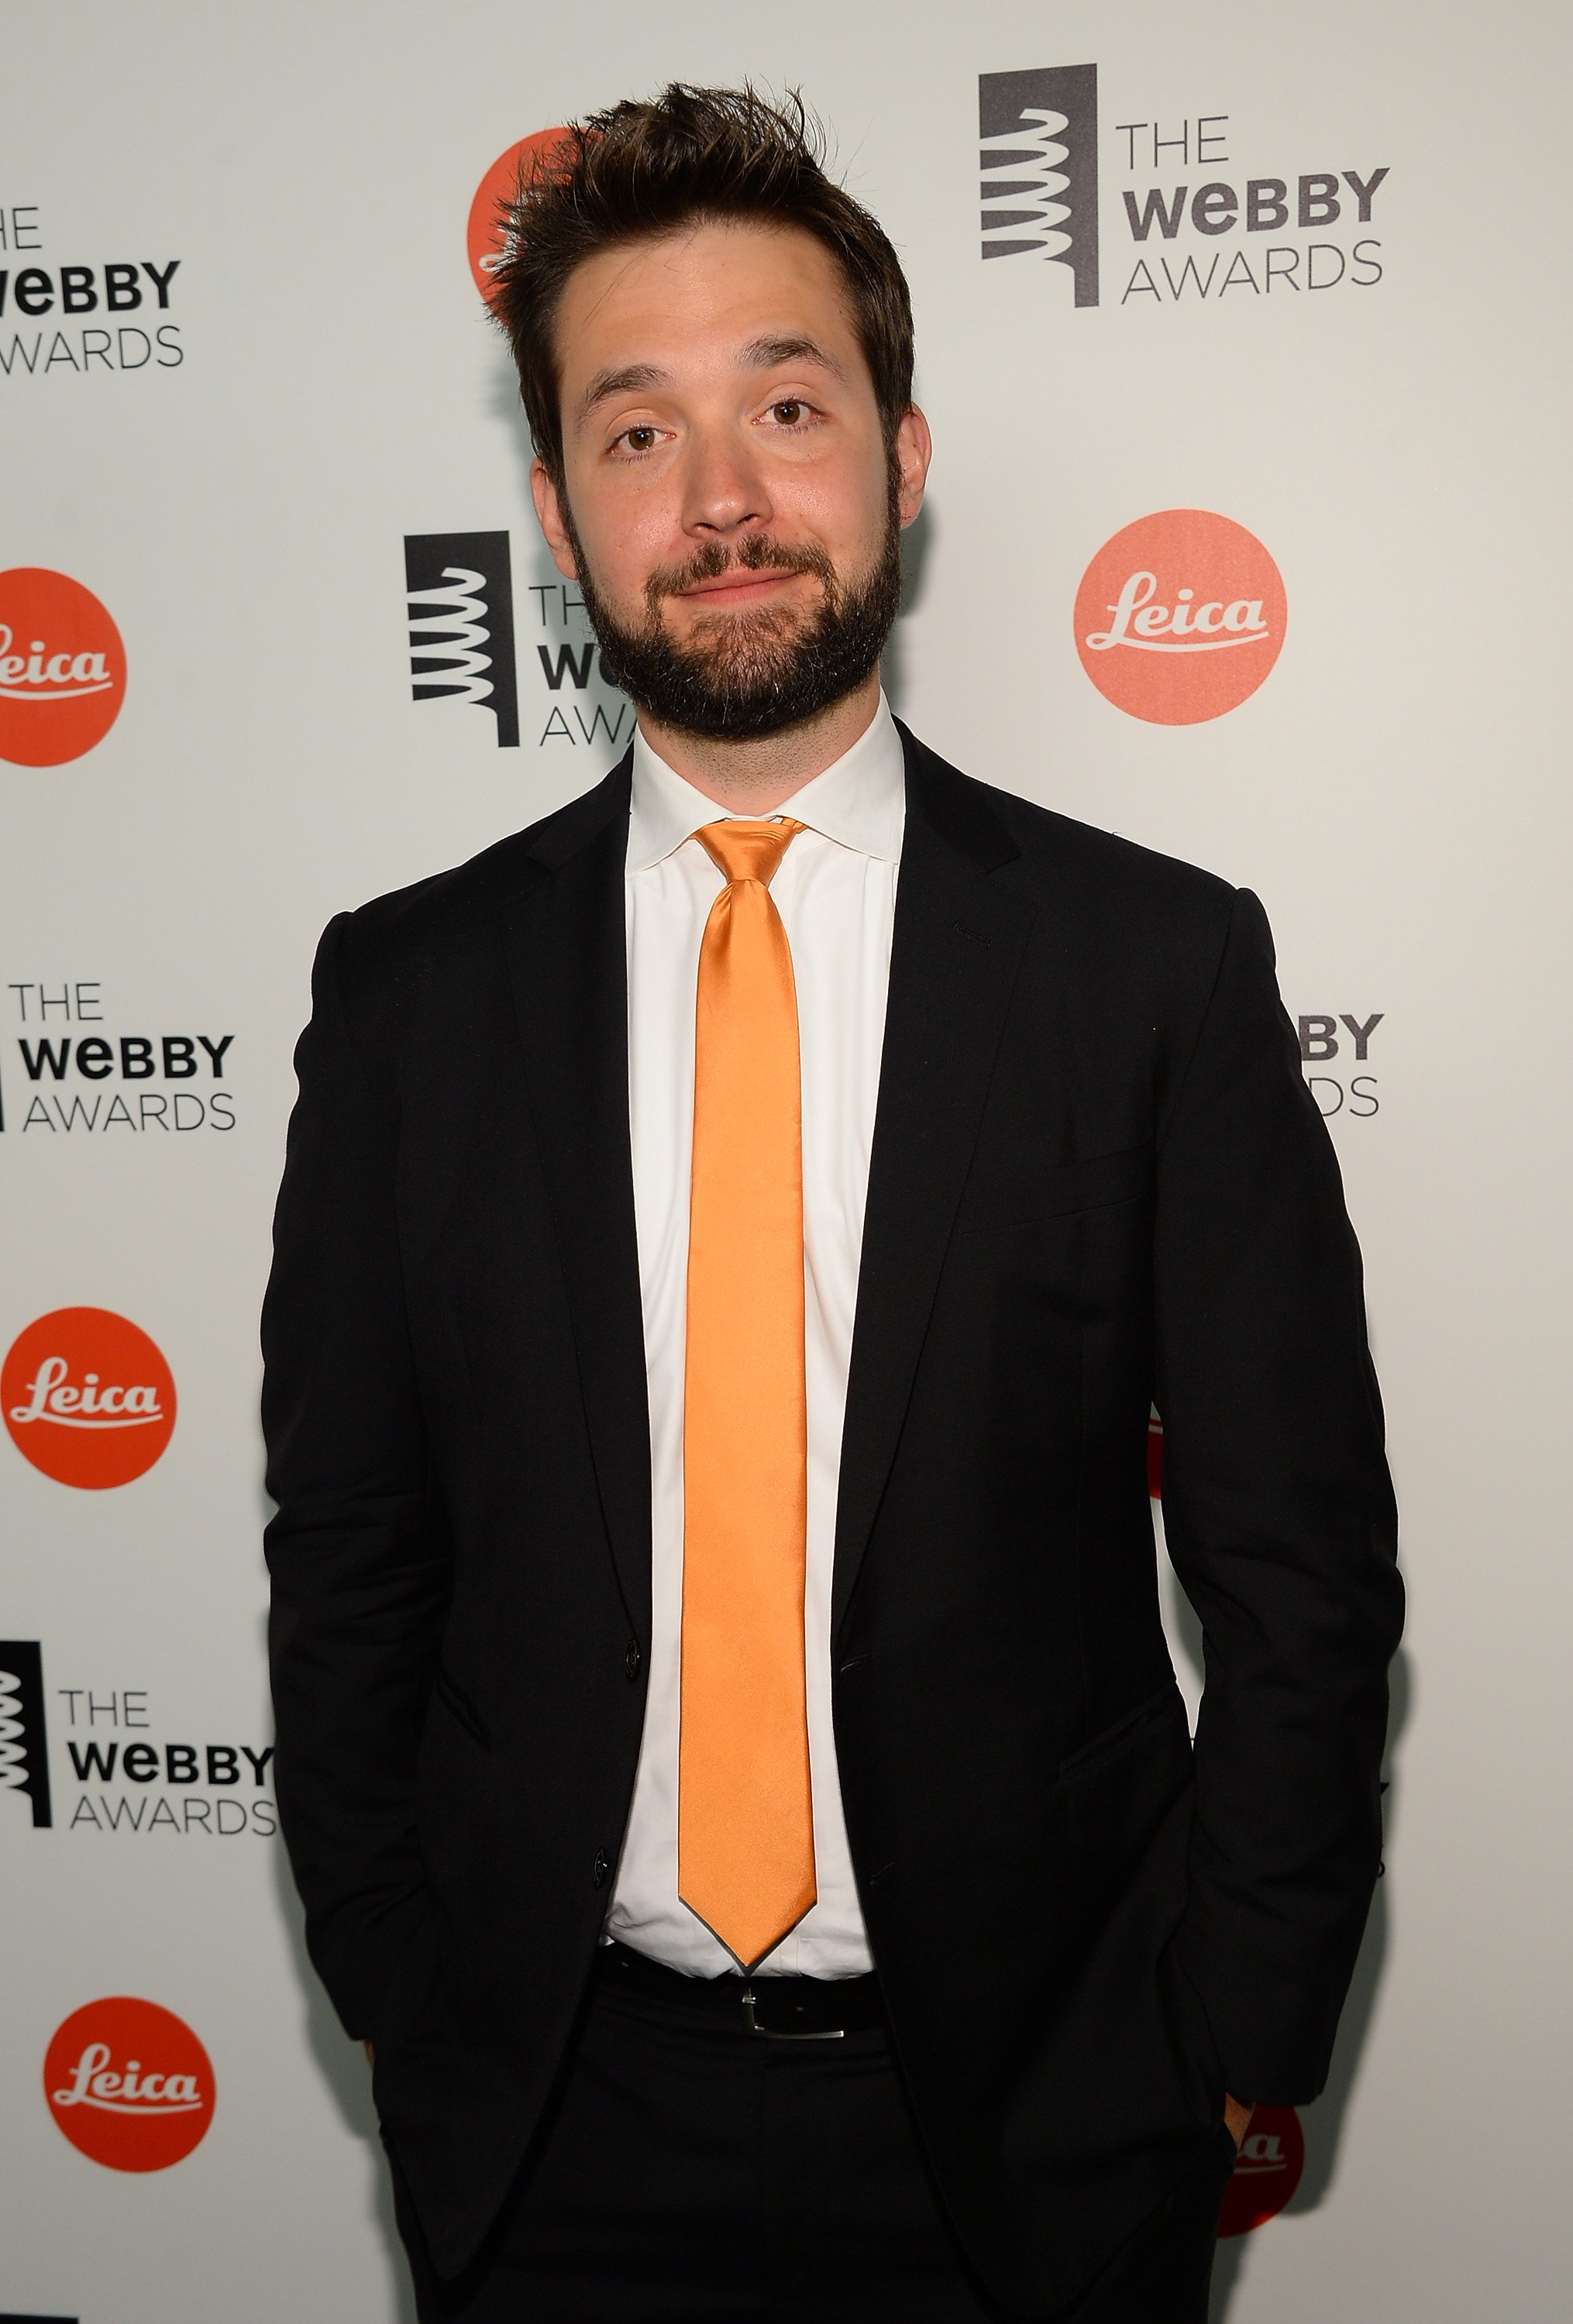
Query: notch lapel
568	963
955	956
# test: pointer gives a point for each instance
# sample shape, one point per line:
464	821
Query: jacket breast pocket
1055	1190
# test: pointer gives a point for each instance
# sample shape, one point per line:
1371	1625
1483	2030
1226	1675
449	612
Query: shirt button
599	1869
633	1662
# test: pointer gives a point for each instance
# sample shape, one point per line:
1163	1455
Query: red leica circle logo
1180	617
62	668
489	241
1267	2170
88	1397
129	2084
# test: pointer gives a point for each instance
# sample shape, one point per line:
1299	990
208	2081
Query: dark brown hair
642	170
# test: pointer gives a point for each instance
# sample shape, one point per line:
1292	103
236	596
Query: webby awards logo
129	2084
1192	236
46	301
62	668
88	1397
1180	617
488	239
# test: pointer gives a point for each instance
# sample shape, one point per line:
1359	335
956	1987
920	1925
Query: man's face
729	505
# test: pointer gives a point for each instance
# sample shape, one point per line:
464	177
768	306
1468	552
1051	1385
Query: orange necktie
746	1825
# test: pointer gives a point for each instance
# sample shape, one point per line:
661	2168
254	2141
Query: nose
724	487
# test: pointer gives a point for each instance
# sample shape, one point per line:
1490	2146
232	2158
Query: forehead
689	299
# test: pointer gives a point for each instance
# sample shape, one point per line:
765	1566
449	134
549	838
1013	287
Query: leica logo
88	1396
94	2084
1184	627
62	669
91	1406
489	235
40	675
1261	2151
129	2084
1267	2170
1161	608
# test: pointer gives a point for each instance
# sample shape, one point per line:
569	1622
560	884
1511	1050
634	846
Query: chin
722	637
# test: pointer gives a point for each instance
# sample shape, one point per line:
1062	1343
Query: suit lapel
568	963
959	940
958	946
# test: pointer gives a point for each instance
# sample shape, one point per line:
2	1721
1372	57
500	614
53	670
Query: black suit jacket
1097	1182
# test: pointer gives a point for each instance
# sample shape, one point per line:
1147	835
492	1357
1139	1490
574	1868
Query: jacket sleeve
357	1550
1279	1519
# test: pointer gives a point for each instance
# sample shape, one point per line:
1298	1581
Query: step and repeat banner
1243	338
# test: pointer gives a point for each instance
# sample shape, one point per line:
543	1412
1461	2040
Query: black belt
774	2008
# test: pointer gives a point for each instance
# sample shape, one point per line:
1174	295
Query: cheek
624	535
842	504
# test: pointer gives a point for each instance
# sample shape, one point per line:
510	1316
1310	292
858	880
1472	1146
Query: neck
756	777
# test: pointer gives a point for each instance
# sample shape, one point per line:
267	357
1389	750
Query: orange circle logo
1266	2169
62	668
88	1397
1180	617
129	2084
490	242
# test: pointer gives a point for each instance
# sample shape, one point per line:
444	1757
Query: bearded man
734	1235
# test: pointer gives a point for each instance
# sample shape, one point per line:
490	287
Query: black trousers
692	2173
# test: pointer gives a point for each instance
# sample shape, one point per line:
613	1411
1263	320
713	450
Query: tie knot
747	850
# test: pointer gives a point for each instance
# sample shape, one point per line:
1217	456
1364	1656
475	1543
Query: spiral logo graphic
13	1755
1039	163
460	595
24	1738
461	629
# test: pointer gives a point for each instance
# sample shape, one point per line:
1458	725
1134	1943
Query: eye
790	411
639	440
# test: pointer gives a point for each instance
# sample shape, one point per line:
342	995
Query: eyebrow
763	355
624	379
759	354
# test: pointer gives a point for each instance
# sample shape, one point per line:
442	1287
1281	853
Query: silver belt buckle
768	2033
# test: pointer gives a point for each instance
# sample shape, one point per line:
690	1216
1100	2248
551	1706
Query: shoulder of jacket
1121	871
399	935
1056	853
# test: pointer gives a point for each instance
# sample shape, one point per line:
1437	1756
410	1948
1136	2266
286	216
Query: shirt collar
860	801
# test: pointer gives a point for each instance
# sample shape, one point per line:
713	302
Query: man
734	1233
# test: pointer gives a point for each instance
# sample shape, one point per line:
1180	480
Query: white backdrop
320	384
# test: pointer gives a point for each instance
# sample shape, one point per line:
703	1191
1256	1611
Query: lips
738	585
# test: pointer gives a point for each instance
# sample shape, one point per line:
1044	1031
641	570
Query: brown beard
746	675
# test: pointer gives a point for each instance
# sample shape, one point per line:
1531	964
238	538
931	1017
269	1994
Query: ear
914	449
549	509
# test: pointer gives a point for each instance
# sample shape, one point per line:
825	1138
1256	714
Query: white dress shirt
835	893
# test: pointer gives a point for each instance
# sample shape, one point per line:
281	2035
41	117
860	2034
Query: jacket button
599	1869
633	1662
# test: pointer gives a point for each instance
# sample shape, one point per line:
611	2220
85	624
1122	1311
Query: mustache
759	552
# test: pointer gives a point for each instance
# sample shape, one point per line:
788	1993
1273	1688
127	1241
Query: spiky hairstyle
690	156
